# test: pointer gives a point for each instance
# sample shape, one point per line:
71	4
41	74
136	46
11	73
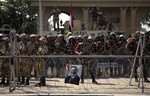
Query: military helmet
90	38
6	39
112	33
43	39
121	36
134	36
71	37
23	35
33	35
1	34
60	35
84	36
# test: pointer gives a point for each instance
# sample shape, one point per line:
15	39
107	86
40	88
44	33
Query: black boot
146	80
18	78
42	82
93	80
136	79
27	81
82	79
23	80
3	81
7	83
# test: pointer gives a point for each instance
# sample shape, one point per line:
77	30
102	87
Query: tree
18	14
146	19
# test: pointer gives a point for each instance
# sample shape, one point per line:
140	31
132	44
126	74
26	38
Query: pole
41	17
12	65
141	61
132	71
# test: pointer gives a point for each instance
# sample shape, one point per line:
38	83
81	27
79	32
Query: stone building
127	14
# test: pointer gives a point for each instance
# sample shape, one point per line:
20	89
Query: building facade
127	14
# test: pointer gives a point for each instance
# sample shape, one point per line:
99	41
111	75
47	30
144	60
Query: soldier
132	46
71	45
94	11
78	39
102	23
51	44
112	43
101	46
84	48
51	49
55	12
121	41
122	50
101	49
32	50
5	64
60	44
146	62
24	64
40	65
112	48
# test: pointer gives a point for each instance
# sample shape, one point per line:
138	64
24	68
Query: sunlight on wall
64	17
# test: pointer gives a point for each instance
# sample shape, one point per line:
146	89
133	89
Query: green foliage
18	15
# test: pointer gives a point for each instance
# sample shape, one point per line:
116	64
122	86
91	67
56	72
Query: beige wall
110	8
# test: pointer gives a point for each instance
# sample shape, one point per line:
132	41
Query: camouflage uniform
101	49
60	45
5	62
112	48
24	63
146	62
121	50
32	50
40	65
84	48
51	48
132	46
71	45
55	12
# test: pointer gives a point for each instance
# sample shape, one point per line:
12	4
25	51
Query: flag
71	25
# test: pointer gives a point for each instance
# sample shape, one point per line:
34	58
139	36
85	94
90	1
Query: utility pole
41	17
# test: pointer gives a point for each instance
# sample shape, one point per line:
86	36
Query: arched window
63	17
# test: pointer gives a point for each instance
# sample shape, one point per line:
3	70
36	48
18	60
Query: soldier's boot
136	78
27	81
93	80
42	82
18	78
23	80
82	79
146	80
2	81
7	83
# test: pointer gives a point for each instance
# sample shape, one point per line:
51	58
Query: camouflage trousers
91	66
5	68
40	67
24	67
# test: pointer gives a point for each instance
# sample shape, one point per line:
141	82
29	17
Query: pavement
56	86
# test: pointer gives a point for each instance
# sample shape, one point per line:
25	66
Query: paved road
106	87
